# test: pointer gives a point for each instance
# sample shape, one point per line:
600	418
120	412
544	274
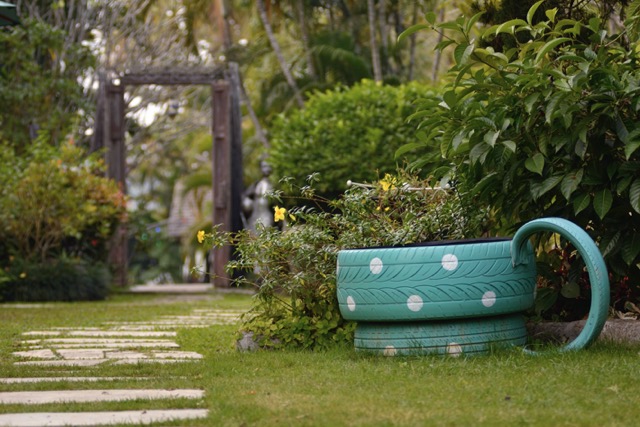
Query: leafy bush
52	202
344	134
549	128
294	270
62	279
56	217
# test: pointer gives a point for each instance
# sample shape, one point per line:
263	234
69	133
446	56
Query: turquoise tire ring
596	268
450	337
434	281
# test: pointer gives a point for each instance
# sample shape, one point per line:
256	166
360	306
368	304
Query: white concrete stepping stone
59	396
177	355
36	354
85	353
59	419
92	341
125	355
65	379
79	362
158	361
103	333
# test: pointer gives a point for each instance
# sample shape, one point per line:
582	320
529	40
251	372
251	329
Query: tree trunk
375	54
412	42
436	61
384	45
219	14
304	32
284	65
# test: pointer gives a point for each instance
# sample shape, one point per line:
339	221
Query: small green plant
294	269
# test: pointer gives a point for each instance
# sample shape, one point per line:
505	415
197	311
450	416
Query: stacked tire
457	297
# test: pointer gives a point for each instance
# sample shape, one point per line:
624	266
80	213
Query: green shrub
344	134
549	128
56	217
53	202
62	279
293	270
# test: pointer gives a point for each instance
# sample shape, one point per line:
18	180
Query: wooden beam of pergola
169	78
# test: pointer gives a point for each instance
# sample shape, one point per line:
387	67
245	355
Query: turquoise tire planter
434	281
596	268
450	337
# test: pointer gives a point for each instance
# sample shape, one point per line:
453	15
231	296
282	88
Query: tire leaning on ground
452	337
434	281
598	276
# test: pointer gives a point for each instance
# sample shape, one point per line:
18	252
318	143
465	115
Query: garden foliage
40	82
294	270
345	134
549	127
54	211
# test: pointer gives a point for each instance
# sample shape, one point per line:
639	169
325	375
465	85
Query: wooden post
221	158
116	161
236	173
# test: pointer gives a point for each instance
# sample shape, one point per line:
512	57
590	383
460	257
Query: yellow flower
278	214
23	275
387	182
200	236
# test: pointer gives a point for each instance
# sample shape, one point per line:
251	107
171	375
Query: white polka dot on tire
375	266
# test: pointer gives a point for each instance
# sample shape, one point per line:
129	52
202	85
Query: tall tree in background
284	64
375	53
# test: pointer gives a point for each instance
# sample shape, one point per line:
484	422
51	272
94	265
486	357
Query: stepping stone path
115	343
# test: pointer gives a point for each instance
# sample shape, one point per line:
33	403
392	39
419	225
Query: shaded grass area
338	387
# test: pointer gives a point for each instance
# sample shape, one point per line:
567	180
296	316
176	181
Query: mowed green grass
596	387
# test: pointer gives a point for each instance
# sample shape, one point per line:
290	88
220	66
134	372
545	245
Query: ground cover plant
337	386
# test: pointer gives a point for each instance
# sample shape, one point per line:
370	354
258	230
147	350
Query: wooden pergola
226	152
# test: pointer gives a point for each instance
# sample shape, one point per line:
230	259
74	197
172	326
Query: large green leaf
570	290
570	183
549	46
535	164
539	190
581	202
508	26
413	29
479	153
609	244
532	11
602	202
631	248
634	195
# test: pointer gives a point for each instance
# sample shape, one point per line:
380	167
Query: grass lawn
595	387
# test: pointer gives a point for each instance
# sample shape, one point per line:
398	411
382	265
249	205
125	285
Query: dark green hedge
59	280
